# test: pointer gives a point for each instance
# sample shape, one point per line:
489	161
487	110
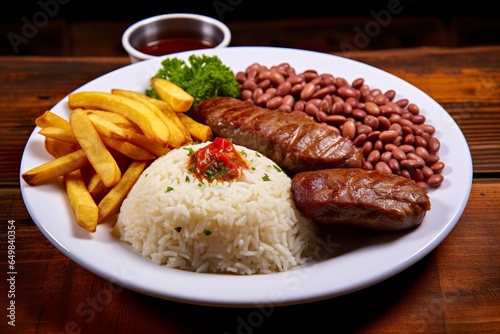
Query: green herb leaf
203	77
190	150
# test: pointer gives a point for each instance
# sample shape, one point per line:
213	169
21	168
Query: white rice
254	226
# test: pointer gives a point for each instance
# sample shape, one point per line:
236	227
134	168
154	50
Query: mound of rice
248	226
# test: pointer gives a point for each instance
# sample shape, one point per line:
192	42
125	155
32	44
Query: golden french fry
178	98
140	140
127	148
115	118
48	118
146	119
58	148
117	194
107	128
96	188
99	156
55	168
175	123
62	134
199	132
83	205
178	134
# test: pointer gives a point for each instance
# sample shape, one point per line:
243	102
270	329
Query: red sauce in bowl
173	45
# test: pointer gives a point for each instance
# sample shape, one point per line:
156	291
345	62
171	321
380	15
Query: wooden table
454	289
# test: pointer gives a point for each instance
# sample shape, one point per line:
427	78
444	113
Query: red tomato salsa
218	160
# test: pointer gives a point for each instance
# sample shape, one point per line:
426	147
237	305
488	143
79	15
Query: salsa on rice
217	161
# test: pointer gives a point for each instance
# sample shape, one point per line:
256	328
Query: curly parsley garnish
202	76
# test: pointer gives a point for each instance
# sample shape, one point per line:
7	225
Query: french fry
115	118
58	148
173	116
117	194
127	148
62	134
178	98
55	168
146	119
107	128
199	132
49	119
83	205
140	140
96	188
99	156
178	134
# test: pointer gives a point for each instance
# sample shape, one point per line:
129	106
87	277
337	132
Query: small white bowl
191	28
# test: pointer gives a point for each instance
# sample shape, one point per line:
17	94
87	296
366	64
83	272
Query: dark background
94	28
238	10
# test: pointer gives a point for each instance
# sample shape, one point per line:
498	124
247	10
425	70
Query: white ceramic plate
358	260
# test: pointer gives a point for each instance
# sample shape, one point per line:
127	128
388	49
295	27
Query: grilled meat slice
296	143
364	198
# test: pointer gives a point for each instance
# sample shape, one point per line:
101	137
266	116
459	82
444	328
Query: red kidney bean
297	88
386	156
358	113
373	157
325	91
383	167
388	136
288	100
433	145
437	167
428	172
307	91
378	145
398	154
358	83
372	108
435	180
402	103
391	93
394	165
413	108
337	120
367	148
417	175
276	77
345	92
349	130
360	140
274	103
246	95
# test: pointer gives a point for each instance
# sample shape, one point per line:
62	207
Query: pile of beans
393	135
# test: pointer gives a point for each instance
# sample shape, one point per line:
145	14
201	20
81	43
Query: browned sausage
296	143
364	198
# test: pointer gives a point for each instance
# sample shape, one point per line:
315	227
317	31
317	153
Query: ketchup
173	45
218	160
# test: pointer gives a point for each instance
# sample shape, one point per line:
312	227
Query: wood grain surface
454	289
